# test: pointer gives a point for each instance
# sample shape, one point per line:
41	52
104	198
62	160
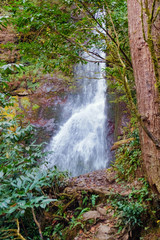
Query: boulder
91	215
104	233
102	211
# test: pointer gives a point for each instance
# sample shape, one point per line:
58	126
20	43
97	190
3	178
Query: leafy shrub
129	213
23	182
128	157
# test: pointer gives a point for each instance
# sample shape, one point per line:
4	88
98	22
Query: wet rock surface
42	107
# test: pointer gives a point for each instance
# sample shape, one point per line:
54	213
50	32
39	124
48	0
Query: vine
149	39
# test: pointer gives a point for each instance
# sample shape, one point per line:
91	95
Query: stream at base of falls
81	144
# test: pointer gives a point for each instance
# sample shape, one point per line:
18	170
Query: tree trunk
145	79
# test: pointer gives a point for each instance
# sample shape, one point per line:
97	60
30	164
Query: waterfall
80	145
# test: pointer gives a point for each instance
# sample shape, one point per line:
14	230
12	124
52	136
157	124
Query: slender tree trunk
146	82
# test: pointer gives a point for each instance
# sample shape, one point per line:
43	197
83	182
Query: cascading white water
80	145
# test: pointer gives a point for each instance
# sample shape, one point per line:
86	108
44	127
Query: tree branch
152	10
156	15
37	223
106	31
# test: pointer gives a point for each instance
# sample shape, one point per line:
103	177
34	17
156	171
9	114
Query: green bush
130	213
128	157
22	179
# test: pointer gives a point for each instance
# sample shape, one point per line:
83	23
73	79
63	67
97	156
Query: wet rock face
50	98
42	106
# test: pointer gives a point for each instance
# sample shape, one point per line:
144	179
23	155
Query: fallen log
120	143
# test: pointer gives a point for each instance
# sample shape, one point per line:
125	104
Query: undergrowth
128	157
131	210
22	179
140	208
65	217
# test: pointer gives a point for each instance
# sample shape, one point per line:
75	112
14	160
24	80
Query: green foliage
128	157
10	68
5	99
56	33
93	199
131	210
63	229
22	180
89	200
66	215
77	221
3	22
85	198
142	194
135	209
40	32
129	213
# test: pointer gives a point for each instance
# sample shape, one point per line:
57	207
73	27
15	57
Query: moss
149	39
35	107
153	56
25	102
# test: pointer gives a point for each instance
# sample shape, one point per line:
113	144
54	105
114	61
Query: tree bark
145	79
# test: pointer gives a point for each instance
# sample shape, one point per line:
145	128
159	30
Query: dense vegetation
52	36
